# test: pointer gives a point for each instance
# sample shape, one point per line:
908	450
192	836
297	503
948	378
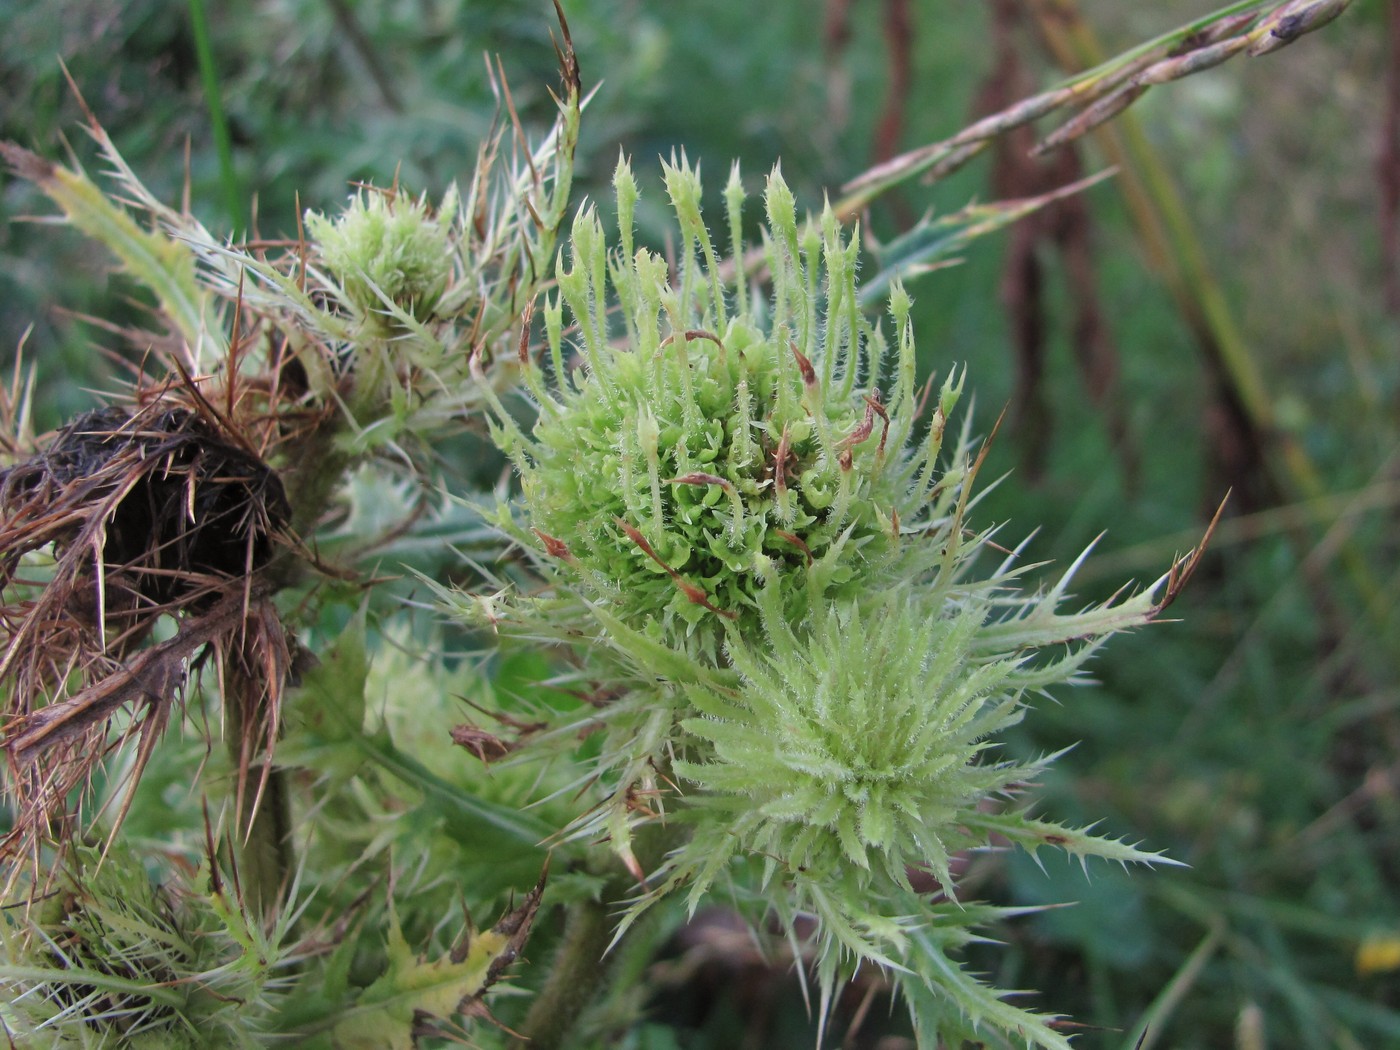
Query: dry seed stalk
1101	94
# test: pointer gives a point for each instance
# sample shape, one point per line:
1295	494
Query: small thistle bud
389	253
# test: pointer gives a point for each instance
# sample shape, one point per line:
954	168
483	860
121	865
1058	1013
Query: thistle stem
583	965
579	970
262	827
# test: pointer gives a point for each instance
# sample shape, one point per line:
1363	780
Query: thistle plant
158	564
759	647
287	366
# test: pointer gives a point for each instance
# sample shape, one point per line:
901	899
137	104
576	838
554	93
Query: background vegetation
1248	344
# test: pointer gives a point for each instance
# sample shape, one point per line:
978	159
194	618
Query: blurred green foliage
1256	739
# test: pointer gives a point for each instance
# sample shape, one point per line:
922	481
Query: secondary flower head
389	253
856	749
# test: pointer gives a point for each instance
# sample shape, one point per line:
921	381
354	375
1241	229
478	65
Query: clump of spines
769	572
389	253
110	958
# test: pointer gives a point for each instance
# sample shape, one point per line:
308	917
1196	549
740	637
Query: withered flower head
123	518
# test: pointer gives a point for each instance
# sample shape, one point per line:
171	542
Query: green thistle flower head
111	958
389	253
707	445
856	749
861	750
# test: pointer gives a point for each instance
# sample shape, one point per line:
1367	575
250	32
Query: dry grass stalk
1102	93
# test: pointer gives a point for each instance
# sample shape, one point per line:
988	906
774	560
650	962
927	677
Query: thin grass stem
223	140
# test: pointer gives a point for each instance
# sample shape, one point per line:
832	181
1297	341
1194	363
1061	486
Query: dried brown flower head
164	511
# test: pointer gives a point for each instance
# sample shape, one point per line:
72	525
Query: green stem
583	965
262	831
223	141
579	971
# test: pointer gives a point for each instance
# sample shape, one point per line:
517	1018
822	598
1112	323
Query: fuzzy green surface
859	748
112	959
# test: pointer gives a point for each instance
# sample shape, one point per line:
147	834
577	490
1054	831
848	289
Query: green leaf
1031	834
162	264
388	1013
329	735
